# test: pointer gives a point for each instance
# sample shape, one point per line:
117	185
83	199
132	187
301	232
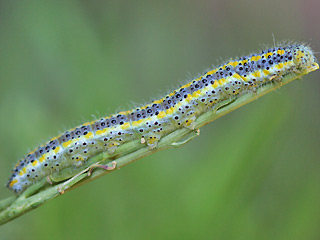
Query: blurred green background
253	174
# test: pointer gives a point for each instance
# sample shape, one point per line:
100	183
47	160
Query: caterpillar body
151	122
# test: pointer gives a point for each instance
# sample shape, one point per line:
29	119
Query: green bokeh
253	174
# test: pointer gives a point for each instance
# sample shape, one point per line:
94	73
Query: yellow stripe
88	123
57	149
136	123
158	101
196	93
66	144
35	163
222	81
23	171
161	114
173	93
234	64
266	72
169	111
13	182
215	84
124	112
244	61
237	76
212	72
125	126
280	66
99	132
89	135
42	158
269	54
257	73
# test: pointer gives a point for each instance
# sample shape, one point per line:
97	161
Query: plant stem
12	208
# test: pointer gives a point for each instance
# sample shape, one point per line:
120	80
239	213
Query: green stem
12	208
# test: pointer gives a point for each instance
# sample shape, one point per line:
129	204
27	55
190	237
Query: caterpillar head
304	58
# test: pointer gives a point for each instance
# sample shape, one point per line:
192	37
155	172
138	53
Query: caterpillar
151	122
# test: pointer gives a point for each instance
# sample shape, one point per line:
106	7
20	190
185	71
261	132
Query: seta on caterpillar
151	122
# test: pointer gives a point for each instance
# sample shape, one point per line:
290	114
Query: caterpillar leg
151	140
49	180
276	80
192	136
89	169
112	146
190	123
79	160
105	167
187	122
